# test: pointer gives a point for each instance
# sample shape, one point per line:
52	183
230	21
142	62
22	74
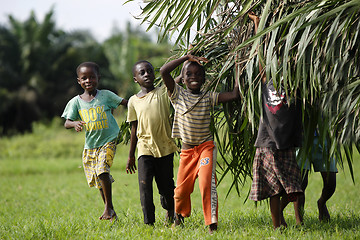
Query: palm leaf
309	47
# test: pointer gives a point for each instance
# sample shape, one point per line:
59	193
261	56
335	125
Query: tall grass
44	195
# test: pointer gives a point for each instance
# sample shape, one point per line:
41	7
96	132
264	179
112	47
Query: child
149	115
92	111
275	170
191	124
328	174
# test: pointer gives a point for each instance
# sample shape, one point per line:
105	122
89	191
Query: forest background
39	60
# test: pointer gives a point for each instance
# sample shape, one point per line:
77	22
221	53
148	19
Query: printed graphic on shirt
214	198
95	118
204	161
275	100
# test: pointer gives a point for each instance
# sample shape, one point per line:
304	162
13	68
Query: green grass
44	195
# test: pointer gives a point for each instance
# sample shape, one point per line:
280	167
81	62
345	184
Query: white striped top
192	115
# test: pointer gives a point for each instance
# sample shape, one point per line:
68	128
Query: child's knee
104	176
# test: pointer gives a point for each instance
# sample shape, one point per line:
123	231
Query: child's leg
298	204
104	160
329	186
283	204
289	175
164	178
106	194
145	176
275	210
207	183
186	177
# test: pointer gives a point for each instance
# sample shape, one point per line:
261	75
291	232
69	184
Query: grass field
44	195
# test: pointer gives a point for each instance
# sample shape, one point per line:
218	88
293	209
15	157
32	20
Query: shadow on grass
347	220
261	221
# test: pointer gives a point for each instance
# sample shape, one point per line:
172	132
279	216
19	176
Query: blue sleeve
71	110
113	100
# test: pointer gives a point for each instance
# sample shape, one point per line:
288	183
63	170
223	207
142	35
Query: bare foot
108	214
280	229
178	221
169	217
282	221
324	215
212	228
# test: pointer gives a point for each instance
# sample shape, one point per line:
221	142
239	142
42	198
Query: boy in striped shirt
192	124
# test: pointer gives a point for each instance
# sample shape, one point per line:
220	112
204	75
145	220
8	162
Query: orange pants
198	162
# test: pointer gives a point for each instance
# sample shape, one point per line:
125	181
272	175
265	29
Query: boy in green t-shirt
92	111
149	115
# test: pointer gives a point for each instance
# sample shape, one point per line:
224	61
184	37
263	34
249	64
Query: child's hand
79	125
253	17
130	166
193	58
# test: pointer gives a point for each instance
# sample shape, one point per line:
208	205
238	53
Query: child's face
144	75
88	78
193	77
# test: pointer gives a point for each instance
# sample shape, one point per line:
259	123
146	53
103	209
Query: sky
97	16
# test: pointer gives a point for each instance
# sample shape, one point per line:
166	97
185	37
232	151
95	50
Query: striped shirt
192	115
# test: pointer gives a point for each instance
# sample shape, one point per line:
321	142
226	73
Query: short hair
89	64
138	62
202	69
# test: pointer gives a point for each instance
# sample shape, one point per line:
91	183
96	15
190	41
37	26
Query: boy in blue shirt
92	111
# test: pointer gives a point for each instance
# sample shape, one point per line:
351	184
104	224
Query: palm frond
309	47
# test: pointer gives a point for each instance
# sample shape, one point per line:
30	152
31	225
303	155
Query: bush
48	140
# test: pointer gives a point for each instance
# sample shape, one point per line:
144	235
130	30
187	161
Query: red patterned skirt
275	172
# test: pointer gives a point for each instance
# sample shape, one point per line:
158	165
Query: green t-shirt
101	126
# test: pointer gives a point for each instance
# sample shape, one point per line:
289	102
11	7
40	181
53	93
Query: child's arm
230	96
131	166
166	69
256	21
78	125
124	102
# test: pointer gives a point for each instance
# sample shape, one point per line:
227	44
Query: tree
38	67
310	47
124	49
37	72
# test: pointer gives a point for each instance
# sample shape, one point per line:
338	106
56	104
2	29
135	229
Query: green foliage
123	50
41	145
38	63
124	133
308	47
38	70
